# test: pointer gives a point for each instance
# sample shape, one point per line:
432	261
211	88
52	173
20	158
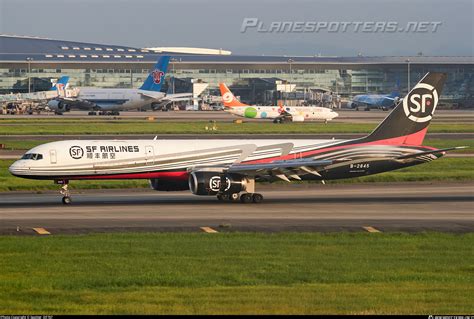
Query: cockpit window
32	156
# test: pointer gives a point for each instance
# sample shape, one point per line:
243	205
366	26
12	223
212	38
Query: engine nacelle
208	183
297	118
58	106
164	185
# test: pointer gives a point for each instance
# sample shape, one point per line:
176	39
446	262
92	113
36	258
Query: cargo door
149	154
53	156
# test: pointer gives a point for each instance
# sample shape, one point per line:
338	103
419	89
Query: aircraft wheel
67	200
246	198
257	198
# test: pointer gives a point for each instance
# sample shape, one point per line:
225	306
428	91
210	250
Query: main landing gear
248	197
65	192
245	198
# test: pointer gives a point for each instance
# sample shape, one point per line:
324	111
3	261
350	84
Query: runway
410	207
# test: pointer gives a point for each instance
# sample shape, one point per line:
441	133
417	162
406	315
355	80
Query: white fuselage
117	99
139	158
298	113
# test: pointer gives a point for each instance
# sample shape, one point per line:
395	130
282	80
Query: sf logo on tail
157	75
420	104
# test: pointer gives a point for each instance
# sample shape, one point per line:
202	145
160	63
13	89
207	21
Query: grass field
42	127
238	273
444	169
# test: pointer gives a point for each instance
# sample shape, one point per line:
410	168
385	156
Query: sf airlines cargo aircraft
279	114
229	169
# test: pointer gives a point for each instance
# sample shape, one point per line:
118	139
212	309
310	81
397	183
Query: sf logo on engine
76	152
420	104
215	183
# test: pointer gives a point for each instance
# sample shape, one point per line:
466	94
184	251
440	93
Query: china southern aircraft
279	114
111	101
229	169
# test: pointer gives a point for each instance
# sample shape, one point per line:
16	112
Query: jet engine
207	183
58	106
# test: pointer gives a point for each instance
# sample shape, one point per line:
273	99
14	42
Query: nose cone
334	114
17	168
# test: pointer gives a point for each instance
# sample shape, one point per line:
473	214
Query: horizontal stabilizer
442	150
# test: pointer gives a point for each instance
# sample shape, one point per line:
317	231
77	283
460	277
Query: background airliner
57	89
111	101
279	114
377	101
229	169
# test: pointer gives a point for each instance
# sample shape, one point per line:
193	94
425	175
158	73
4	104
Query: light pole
173	60
29	75
408	71
290	61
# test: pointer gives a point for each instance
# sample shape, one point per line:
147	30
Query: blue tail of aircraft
61	83
157	76
396	91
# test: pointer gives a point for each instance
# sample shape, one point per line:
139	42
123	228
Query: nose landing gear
65	192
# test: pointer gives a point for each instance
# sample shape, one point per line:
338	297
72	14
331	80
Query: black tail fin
409	120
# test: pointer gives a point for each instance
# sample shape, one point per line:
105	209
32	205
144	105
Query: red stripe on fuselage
177	176
414	139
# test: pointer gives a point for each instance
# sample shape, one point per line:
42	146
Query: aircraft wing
177	97
152	94
281	169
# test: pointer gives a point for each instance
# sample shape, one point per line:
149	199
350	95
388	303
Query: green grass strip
238	273
147	127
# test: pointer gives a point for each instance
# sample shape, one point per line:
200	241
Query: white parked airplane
227	168
58	89
279	114
112	101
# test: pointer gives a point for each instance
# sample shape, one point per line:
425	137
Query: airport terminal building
256	79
